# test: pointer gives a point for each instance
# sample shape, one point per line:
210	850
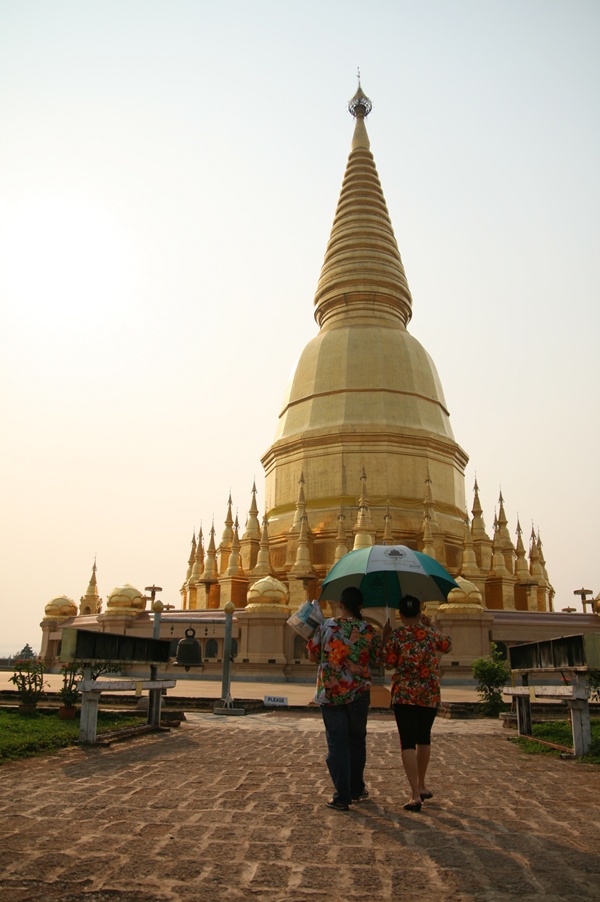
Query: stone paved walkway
232	808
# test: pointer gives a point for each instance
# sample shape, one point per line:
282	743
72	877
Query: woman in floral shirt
345	648
412	651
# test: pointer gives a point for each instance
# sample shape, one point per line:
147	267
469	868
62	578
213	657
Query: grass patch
43	732
560	733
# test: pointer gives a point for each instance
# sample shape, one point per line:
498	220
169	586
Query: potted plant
28	677
68	693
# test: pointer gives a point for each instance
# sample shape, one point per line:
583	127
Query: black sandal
337	806
412	806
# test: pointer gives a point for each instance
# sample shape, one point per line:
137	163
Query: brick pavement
232	808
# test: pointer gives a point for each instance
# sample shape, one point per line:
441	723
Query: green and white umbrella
386	573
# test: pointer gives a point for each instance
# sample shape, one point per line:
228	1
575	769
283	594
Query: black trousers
346	732
414	724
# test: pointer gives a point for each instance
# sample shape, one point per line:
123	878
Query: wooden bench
576	696
570	657
91	690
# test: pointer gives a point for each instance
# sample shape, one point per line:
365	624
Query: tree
26	653
491	675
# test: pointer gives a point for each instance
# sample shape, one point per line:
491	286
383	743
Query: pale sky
169	172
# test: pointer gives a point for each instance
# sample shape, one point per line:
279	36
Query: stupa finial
360	106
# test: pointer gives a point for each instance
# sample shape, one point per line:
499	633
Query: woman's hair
410	606
352	599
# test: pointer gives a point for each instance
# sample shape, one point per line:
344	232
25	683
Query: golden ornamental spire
263	561
498	563
469	567
341	546
234	566
362	274
198	565
252	530
192	557
226	539
388	538
91	603
521	568
363	529
427	536
303	565
300	505
360	106
210	563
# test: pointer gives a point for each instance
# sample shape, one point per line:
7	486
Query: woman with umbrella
392	576
345	648
413	651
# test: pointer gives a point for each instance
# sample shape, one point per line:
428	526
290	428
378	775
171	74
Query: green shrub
491	676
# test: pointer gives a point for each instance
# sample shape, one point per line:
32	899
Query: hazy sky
169	173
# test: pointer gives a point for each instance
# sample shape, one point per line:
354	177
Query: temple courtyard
232	808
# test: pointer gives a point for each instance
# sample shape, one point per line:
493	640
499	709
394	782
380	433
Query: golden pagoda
363	454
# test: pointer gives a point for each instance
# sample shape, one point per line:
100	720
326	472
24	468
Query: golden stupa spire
210	563
92	588
508	549
250	541
198	565
91	603
427	536
541	555
184	587
428	501
469	567
363	529
226	539
388	538
521	568
300	506
341	546
535	568
228	531
302	565
263	560
498	562
478	524
252	530
362	241
191	557
234	567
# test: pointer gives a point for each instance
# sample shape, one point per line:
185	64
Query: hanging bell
189	653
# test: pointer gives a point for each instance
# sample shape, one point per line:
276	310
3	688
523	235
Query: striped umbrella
385	573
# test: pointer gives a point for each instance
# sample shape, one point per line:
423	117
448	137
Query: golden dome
267	594
468	593
338	381
126	598
61	606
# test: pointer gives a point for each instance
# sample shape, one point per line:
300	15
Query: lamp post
226	706
582	594
154	695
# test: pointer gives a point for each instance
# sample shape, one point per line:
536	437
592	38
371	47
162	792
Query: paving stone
233	808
